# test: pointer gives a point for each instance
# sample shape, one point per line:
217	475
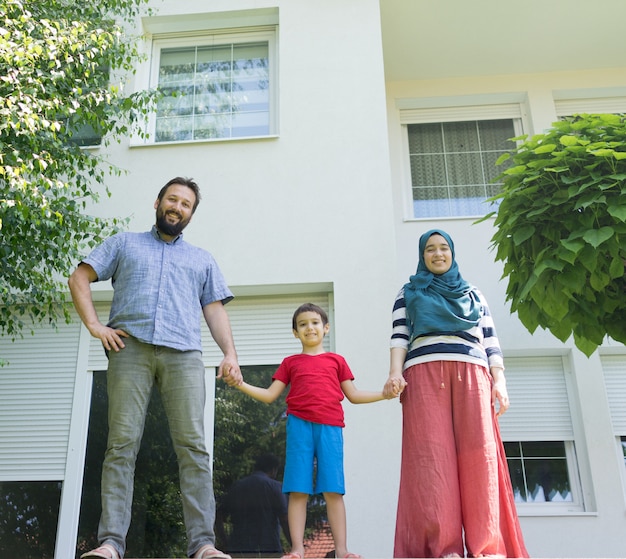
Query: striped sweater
478	345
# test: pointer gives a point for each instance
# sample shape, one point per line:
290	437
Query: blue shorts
309	445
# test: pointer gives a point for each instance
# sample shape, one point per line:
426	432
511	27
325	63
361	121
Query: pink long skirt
455	490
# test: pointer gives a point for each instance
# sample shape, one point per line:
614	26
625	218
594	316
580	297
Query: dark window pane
543	449
516	472
86	135
245	429
29	514
512	449
157	528
539	471
547	480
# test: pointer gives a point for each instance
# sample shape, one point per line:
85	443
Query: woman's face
437	255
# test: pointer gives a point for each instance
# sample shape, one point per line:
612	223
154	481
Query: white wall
599	531
313	205
324	203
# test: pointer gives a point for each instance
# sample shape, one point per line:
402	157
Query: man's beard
172	229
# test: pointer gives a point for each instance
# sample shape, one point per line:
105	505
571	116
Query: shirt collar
157	235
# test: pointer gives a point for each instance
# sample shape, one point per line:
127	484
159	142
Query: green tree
561	229
58	65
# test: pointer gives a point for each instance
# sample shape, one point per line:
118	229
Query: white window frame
261	322
479	108
568	104
217	37
541	410
613	368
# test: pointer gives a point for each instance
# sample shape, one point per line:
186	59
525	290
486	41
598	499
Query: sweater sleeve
490	337
400	331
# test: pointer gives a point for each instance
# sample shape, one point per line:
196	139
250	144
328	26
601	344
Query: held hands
230	372
394	387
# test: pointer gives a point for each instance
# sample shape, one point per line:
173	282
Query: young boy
319	380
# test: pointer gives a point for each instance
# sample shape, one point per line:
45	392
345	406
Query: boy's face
310	329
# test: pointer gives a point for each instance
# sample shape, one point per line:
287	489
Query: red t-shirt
315	386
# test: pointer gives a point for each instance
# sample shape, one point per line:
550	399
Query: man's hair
190	183
309	307
266	463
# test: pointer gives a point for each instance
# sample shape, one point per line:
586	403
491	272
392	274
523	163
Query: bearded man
162	286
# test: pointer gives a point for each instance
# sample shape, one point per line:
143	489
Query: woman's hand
394	386
498	390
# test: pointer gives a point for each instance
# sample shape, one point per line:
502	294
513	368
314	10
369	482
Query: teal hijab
439	303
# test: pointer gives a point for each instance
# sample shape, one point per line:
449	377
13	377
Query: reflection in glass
539	471
246	428
223	90
29	514
157	528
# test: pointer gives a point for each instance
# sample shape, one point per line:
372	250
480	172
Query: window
453	165
246	429
215	87
539	471
86	136
614	370
539	437
157	527
569	103
30	513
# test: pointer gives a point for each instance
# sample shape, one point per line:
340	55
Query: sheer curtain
453	165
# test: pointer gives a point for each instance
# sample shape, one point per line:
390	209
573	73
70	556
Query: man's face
175	209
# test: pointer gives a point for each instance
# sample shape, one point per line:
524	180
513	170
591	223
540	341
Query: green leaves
561	229
55	60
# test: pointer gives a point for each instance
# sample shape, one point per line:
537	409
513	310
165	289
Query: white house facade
362	124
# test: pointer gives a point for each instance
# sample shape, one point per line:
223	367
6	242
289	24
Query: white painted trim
69	510
209	410
542	408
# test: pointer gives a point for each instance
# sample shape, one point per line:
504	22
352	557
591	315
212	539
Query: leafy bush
561	229
60	73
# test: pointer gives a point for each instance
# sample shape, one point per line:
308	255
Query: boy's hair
309	307
189	183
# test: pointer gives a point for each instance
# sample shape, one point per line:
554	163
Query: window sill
139	144
444	218
559	511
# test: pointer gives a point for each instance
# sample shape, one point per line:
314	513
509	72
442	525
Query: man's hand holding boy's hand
230	372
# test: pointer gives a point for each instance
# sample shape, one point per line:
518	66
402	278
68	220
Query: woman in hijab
455	489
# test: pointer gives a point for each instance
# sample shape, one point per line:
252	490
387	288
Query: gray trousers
179	376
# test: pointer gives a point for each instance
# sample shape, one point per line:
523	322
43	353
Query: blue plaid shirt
159	288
